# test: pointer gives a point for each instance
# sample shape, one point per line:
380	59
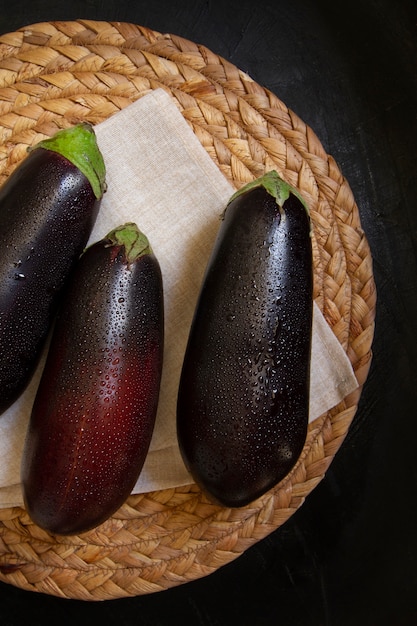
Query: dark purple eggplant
48	207
95	408
243	399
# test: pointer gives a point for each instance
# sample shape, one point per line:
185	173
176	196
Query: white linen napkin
160	177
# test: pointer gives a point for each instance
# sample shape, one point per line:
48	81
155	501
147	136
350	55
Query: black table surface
349	554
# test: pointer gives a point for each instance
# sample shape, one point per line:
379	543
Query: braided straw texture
54	75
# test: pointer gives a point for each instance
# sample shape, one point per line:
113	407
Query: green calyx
275	186
134	241
78	144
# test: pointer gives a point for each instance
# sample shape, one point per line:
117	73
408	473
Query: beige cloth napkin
160	177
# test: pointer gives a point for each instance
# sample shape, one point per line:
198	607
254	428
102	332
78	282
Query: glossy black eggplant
95	408
243	399
48	207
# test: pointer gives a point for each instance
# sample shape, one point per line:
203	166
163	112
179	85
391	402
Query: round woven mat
57	74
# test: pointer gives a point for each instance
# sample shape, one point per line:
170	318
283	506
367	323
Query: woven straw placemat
60	73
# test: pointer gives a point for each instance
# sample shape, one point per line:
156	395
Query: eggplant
48	207
243	398
94	412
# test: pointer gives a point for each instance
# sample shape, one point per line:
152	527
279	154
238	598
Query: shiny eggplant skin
47	211
243	400
94	412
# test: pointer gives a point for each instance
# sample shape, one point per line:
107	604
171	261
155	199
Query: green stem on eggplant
78	144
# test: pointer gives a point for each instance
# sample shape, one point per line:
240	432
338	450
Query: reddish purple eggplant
94	412
48	207
243	399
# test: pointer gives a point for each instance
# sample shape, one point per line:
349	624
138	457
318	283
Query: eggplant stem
276	186
134	241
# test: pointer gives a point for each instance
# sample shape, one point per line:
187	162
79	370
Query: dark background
349	554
